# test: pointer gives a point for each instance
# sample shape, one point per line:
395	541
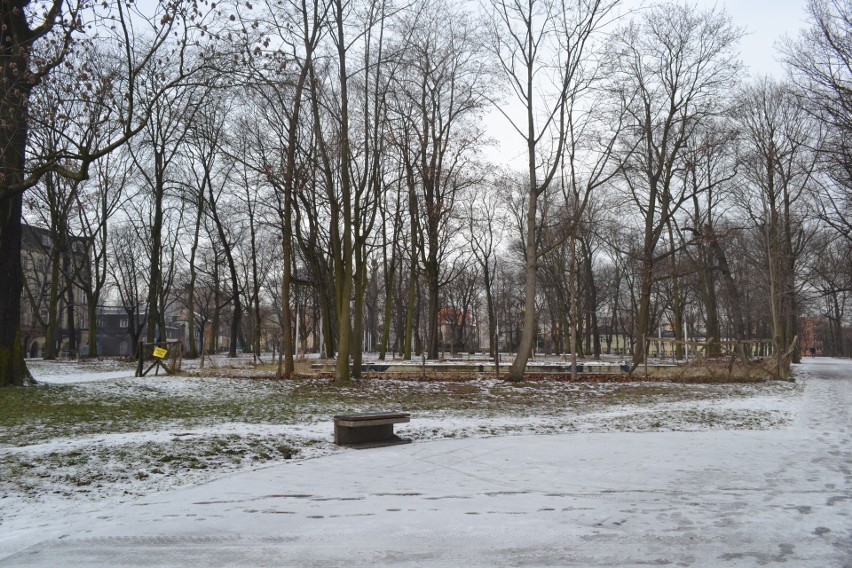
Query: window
123	323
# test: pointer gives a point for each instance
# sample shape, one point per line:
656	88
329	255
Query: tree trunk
14	119
214	327
327	315
789	274
237	315
836	323
677	303
492	312
572	291
285	362
732	292
591	300
519	365
344	260
53	316
193	275
92	316
69	306
13	369
386	322
433	308
358	310
155	275
643	317
390	266
409	314
255	276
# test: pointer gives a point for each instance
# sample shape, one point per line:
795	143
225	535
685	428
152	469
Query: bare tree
52	201
391	236
440	88
779	165
96	204
279	77
820	61
485	222
35	44
531	40
221	209
710	166
127	273
156	155
672	68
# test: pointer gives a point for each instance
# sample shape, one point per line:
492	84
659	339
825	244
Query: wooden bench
369	430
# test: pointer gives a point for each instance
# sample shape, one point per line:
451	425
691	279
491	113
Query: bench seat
369	429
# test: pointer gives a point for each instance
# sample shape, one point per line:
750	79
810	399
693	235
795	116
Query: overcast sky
765	22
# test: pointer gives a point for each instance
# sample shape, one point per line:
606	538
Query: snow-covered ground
753	480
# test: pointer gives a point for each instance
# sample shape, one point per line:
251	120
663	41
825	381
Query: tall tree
369	171
821	64
673	67
541	46
156	154
35	43
222	209
709	168
779	164
127	273
441	85
96	204
279	74
485	234
391	235
338	183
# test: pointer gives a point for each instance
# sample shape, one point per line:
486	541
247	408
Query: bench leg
348	435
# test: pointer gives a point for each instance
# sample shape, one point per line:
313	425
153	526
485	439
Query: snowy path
715	498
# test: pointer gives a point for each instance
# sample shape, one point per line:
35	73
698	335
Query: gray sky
765	22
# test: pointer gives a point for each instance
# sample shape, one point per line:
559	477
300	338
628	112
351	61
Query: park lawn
90	431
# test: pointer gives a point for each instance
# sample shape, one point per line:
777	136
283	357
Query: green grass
181	415
75	472
37	414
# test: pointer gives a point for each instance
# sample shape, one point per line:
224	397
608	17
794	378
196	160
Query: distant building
37	247
458	329
825	339
115	330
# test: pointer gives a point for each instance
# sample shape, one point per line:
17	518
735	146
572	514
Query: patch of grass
90	413
35	414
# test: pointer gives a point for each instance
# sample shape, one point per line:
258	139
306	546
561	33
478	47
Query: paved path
739	498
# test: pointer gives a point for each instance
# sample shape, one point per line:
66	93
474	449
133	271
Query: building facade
44	261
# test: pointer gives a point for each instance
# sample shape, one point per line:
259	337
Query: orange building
812	334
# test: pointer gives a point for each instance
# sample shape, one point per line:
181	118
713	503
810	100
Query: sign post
164	350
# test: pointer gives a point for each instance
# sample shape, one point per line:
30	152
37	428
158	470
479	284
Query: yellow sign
159	352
